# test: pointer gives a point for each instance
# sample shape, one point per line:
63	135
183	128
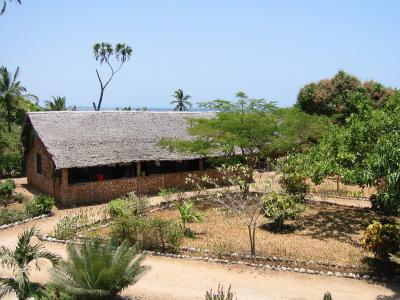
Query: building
90	157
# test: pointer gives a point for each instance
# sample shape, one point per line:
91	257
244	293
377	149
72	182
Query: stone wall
102	191
43	182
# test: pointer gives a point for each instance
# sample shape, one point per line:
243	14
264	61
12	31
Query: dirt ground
177	279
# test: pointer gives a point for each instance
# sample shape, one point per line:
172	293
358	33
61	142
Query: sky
210	49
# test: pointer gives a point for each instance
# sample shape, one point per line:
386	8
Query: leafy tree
3	9
12	93
97	270
188	214
331	96
58	104
181	101
103	53
19	261
364	151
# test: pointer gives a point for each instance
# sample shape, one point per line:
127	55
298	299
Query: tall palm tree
18	260
12	93
181	101
58	104
97	270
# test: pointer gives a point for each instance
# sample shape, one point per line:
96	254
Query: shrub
149	234
327	296
52	293
97	270
7	188
382	239
219	294
280	207
10	163
131	205
295	186
188	214
167	193
67	227
20	197
9	215
39	205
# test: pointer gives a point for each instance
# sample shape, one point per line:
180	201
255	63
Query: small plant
167	193
219	294
7	188
49	292
131	205
280	207
188	215
327	296
382	239
11	215
97	270
19	197
39	205
67	227
149	234
220	247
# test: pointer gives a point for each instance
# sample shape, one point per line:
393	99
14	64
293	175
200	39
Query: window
39	169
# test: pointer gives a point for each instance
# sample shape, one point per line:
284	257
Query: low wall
102	191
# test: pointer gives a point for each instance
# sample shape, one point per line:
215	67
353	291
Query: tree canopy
365	151
332	97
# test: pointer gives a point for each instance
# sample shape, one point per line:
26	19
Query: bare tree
103	53
236	194
3	9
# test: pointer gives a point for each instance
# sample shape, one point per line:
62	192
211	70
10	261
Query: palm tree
5	5
188	214
97	270
182	101
11	93
58	104
18	260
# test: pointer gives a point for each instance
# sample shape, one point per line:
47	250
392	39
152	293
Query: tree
234	196
18	260
331	96
5	5
103	53
12	93
365	151
98	270
188	214
58	104
181	101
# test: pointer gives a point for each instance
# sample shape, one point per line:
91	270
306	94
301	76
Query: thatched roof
84	139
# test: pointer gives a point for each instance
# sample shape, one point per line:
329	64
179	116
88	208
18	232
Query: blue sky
210	49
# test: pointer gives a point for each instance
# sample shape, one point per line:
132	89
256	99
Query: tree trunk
252	237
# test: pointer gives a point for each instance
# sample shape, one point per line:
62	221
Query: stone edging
270	258
5	226
341	197
239	262
266	266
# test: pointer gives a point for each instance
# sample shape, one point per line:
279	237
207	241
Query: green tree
97	270
3	9
19	261
181	101
12	94
103	53
188	214
58	104
364	151
331	96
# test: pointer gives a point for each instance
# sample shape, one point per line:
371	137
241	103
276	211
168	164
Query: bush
131	205
9	215
382	239
220	294
295	186
39	205
149	234
67	227
280	207
327	296
10	163
20	197
7	188
52	293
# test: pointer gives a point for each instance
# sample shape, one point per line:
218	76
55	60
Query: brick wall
43	182
102	191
